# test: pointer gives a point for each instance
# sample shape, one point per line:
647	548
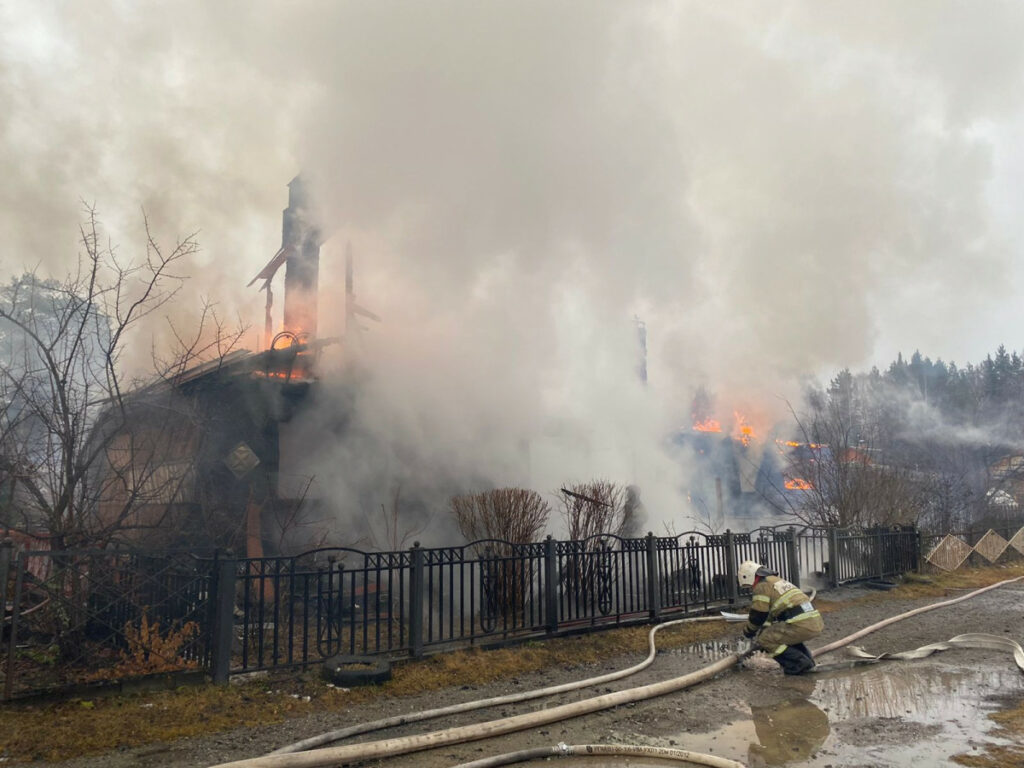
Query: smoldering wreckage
221	479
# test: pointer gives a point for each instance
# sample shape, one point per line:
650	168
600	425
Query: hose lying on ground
467	706
406	744
414	717
969	640
900	617
596	750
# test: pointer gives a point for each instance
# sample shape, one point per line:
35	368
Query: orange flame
798	484
794	444
744	432
708	425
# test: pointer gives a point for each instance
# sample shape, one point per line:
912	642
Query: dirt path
893	714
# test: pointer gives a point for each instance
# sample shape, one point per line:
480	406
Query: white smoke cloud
775	189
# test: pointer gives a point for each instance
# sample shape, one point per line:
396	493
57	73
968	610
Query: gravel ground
691	718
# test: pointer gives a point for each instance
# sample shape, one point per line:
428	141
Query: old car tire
350	671
881	585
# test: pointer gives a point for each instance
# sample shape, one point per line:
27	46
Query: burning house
736	478
194	460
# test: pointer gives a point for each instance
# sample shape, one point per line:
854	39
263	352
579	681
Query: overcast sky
777	189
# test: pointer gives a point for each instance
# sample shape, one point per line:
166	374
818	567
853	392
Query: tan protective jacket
775	599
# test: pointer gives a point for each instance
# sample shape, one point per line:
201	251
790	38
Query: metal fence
871	553
81	617
100	615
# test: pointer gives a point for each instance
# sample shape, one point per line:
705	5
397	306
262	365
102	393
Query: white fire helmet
747	571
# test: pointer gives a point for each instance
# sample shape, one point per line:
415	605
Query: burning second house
195	460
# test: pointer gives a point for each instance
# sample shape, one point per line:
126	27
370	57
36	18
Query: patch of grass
963	578
68	729
477	667
939	584
1009	726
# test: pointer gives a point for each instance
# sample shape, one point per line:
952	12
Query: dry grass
74	728
1009	726
935	584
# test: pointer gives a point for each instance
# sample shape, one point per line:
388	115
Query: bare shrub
515	515
512	515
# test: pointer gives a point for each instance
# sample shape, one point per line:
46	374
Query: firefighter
781	618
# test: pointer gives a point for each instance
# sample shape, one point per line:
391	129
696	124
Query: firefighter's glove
749	633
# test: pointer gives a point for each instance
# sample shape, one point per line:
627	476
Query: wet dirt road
907	713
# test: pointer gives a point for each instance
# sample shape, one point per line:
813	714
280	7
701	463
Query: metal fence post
551	584
416	588
12	640
833	557
732	583
919	554
792	557
6	557
880	543
653	593
224	616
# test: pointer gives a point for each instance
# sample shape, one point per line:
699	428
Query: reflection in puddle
935	711
793	730
912	692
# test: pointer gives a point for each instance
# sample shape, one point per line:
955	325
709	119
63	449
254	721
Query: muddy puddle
895	714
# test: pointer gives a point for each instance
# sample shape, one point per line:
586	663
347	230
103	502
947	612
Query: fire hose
477	731
414	717
595	750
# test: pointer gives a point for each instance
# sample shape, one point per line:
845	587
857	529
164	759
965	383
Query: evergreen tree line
939	443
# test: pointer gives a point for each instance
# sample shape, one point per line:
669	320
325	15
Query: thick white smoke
776	190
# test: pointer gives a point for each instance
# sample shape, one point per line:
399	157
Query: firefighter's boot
805	651
793	662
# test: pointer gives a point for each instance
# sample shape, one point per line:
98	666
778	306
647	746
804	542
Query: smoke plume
776	190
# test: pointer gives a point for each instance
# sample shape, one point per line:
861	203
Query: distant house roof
1000	498
853	455
1008	465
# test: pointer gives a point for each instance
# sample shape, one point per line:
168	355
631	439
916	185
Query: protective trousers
784	642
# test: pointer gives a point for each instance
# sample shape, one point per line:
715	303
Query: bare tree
835	476
392	531
594	508
83	446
